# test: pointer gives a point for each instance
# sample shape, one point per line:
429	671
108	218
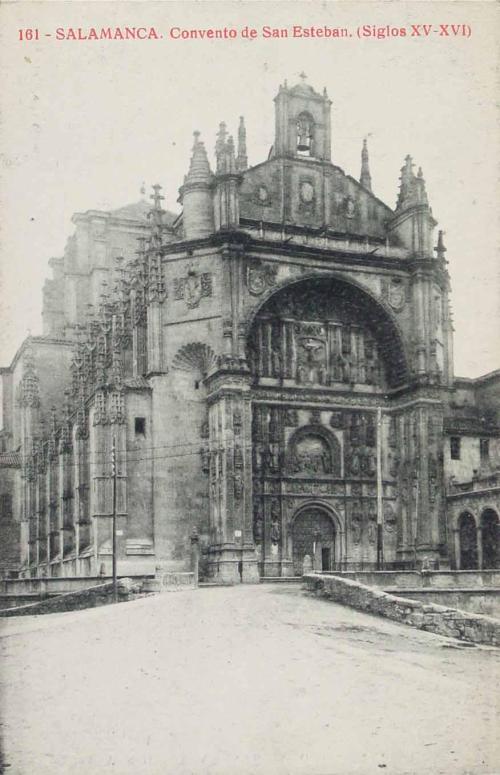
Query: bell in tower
302	122
305	134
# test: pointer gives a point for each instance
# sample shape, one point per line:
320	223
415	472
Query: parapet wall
425	616
91	597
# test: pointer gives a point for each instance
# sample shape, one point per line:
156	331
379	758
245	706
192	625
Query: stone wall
463	579
479	601
73	601
430	617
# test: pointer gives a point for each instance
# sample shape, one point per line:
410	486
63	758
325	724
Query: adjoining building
273	368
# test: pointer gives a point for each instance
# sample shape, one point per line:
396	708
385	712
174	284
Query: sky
85	123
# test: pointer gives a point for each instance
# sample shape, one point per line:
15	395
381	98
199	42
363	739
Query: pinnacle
199	168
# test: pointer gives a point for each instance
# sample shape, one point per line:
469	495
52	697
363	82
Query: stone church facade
273	368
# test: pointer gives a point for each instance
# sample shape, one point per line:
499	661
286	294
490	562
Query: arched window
468	541
305	134
490	535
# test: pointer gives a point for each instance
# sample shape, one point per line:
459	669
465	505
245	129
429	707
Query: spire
242	159
413	220
406	184
30	385
195	195
230	155
220	145
365	178
420	192
440	248
199	168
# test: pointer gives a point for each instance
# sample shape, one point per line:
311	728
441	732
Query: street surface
250	680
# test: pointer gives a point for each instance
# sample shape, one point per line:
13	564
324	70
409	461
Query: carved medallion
394	293
259	277
337	420
263	195
306	192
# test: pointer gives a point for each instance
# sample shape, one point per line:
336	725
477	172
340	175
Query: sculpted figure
275	531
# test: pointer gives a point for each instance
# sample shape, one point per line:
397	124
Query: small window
197	384
140	426
455	447
484	449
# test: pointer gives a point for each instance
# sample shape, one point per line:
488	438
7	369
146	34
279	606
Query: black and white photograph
250	388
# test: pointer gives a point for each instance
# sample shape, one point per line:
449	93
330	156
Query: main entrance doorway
313	534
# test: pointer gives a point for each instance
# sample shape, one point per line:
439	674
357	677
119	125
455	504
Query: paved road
239	681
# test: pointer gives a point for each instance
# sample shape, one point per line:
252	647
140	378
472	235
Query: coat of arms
259	277
193	287
394	293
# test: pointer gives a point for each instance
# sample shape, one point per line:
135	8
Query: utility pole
380	516
113	524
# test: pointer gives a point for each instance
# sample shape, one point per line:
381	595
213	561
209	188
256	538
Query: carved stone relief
394	292
193	287
260	277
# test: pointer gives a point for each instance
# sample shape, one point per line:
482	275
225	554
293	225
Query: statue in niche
276	362
362	429
238	457
389	518
356	521
301	374
353	368
237	421
336	368
370	462
345	366
393	465
257	523
274	457
355	463
372	526
261	457
275	531
372	372
354	434
238	485
371	435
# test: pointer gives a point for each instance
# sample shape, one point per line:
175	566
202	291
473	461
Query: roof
473	381
140	210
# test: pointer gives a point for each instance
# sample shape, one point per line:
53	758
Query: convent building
272	370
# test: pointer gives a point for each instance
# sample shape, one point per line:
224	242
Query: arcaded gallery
271	368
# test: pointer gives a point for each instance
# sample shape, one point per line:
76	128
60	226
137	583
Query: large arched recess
332	297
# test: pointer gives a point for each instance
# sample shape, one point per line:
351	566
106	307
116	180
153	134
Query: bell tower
302	122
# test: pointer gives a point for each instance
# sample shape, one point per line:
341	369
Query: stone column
456	544
479	539
195	555
231	555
